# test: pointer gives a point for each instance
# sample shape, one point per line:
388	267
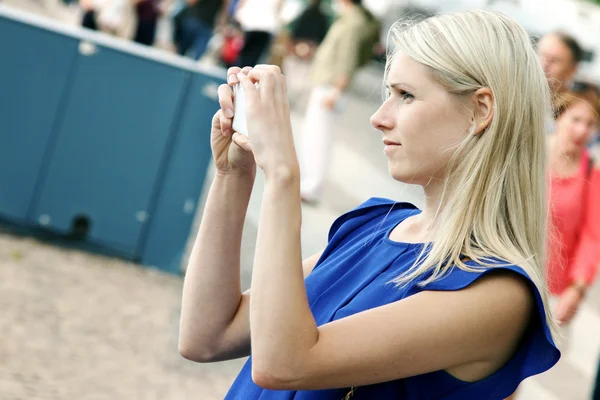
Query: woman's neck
424	221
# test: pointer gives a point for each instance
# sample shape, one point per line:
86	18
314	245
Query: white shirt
259	15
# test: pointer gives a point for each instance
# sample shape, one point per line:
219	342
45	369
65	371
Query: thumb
242	141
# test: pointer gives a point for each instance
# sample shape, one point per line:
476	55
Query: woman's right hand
231	150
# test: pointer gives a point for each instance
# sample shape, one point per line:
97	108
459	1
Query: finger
266	80
273	68
216	120
232	75
225	125
226	100
280	91
250	91
242	141
262	70
283	87
271	82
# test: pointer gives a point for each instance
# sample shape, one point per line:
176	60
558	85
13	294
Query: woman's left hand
268	121
567	305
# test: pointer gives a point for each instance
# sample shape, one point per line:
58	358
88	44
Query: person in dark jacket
195	26
148	12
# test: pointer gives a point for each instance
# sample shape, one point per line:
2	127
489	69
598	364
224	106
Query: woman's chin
404	176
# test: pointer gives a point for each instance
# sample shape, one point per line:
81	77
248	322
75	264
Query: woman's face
576	125
421	123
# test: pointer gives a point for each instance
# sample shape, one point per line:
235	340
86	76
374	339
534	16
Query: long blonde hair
500	211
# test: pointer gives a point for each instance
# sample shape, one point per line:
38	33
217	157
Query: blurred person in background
448	302
195	26
147	14
104	15
259	19
89	18
233	41
175	13
308	30
574	237
574	197
233	37
560	55
348	46
592	91
302	35
299	43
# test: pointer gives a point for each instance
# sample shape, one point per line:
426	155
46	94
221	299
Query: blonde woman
448	302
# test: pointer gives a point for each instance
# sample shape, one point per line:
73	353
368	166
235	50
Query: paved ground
81	326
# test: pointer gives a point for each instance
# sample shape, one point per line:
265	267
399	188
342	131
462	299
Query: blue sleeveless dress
352	275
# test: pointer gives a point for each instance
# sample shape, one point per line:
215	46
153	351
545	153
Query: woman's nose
381	120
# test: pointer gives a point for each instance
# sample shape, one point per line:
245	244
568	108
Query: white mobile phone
239	110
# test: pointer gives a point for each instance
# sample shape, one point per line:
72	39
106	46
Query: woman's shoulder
372	211
382	203
537	351
496	275
456	278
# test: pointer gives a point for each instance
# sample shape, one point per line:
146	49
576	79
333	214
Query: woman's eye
405	95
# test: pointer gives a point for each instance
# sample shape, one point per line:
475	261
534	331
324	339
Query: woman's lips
390	145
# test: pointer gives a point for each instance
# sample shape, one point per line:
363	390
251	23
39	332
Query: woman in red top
574	247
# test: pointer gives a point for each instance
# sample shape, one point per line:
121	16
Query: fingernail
240	75
228	113
232	78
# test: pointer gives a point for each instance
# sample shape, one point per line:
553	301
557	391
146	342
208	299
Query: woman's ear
484	109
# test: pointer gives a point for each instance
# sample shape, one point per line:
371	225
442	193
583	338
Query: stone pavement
78	326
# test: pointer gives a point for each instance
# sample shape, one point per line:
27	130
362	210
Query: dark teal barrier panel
117	120
118	138
179	194
34	70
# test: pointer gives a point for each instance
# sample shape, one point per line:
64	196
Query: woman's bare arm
470	332
215	314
